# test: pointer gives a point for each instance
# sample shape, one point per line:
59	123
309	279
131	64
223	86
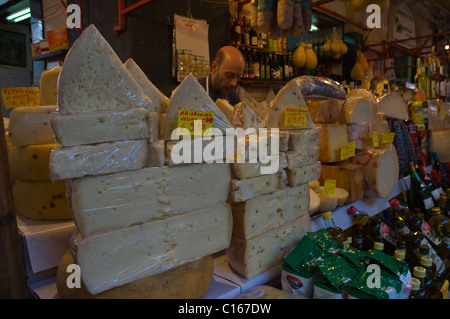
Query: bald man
226	70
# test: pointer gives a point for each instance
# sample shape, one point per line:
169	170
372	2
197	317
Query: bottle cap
436	211
399	254
352	210
419	272
327	215
378	245
415	284
426	261
424	250
394	203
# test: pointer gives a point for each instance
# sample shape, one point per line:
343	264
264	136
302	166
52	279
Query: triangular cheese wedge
160	101
226	108
191	96
289	96
245	117
93	78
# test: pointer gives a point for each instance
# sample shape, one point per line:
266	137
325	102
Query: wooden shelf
51	56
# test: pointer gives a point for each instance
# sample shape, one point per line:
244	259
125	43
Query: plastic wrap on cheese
245	189
98	159
267	292
357	108
361	134
302	157
245	117
191	96
316	87
93	78
125	255
438	115
249	170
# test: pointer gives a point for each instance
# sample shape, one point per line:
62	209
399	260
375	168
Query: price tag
375	139
194	122
329	187
348	150
387	138
21	96
296	116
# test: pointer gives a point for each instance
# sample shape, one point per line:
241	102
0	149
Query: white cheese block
301	139
260	214
302	175
156	154
332	138
31	125
49	86
249	170
154	127
250	258
191	96
162	121
98	159
100	127
440	144
289	96
93	78
302	157
340	193
160	101
393	106
194	150
361	134
119	257
245	117
314	202
325	111
104	203
380	170
356	110
245	189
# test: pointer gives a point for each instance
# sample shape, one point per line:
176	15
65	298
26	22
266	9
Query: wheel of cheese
190	281
380	170
314	201
325	111
340	193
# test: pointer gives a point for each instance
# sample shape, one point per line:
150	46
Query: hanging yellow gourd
362	59
335	47
327	48
357	72
344	48
311	58
299	57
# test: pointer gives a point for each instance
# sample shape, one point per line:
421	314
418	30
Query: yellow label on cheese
375	139
194	122
21	96
329	187
387	138
348	150
296	116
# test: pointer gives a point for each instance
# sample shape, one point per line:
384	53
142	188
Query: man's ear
214	66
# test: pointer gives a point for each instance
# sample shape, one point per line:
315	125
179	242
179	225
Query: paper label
421	97
194	122
296	116
329	187
387	138
348	150
21	96
375	139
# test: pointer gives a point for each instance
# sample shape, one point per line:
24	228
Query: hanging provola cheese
380	170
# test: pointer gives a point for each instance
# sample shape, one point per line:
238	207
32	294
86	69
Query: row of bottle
432	78
262	65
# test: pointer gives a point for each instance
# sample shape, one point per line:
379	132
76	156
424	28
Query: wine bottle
420	193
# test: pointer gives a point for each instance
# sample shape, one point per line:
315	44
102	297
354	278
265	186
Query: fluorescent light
25	16
314	28
18	14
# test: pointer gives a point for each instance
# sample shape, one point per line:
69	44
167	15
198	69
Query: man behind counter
226	70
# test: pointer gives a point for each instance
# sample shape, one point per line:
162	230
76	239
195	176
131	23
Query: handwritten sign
375	139
387	138
296	116
194	122
329	187
348	150
21	96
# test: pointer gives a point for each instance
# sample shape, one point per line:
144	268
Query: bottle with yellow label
336	232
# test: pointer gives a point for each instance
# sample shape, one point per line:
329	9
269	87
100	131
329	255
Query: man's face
225	76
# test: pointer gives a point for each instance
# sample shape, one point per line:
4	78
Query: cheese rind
250	258
301	139
98	159
260	214
30	162
332	138
393	106
31	125
100	127
242	190
347	176
119	257
189	281
357	109
49	86
108	202
41	200
156	154
302	175
93	78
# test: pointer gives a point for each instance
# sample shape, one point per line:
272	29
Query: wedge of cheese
347	176
103	203
393	106
332	138
440	144
340	193
260	214
245	189
100	127
41	200
189	281
302	157
191	96
325	111
290	96
249	170
327	202
356	109
119	257
93	78
31	162
245	117
160	101
49	86
226	108
302	175
156	154
98	159
31	125
301	139
250	258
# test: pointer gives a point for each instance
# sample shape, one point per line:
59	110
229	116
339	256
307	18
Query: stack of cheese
142	232
271	211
